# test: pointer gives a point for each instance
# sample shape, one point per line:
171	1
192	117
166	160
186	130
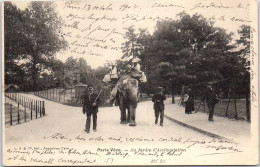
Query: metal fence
68	96
230	108
22	109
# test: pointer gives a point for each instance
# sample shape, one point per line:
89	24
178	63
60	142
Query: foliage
188	51
33	36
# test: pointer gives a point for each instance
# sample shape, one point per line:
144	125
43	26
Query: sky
95	29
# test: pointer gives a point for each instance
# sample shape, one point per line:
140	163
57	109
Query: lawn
220	108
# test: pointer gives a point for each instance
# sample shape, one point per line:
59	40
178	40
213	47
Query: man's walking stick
97	96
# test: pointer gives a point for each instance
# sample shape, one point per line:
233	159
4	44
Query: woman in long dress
189	102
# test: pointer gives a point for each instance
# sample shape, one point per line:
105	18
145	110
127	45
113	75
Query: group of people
133	70
91	100
209	96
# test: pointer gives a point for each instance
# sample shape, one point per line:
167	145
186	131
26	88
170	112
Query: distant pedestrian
158	99
211	100
90	107
189	107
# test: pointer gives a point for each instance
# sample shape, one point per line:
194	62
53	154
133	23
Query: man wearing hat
211	100
90	107
158	99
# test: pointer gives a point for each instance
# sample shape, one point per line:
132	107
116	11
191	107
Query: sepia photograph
128	82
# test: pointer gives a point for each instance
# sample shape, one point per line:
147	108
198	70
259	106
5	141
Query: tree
194	48
41	30
85	71
129	47
71	72
15	45
193	44
244	55
191	51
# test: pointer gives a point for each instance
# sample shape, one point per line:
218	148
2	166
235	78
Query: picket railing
23	110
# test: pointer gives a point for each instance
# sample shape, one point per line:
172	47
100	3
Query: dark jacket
210	96
88	100
189	103
158	101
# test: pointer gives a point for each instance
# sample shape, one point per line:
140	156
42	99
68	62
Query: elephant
127	88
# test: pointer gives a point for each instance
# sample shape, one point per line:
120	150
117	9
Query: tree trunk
248	114
227	106
173	99
173	93
182	96
235	103
34	74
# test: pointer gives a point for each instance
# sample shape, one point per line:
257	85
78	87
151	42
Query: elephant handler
90	107
158	99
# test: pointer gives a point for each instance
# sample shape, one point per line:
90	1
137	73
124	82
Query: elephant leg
123	116
128	114
132	116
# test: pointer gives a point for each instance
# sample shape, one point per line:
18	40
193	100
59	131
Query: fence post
59	96
36	108
18	114
71	95
25	113
204	105
40	108
33	104
43	108
31	109
56	94
11	114
64	97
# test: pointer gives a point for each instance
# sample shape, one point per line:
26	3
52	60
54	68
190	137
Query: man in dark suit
158	99
90	107
211	100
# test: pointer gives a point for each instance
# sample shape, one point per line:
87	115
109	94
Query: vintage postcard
129	82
